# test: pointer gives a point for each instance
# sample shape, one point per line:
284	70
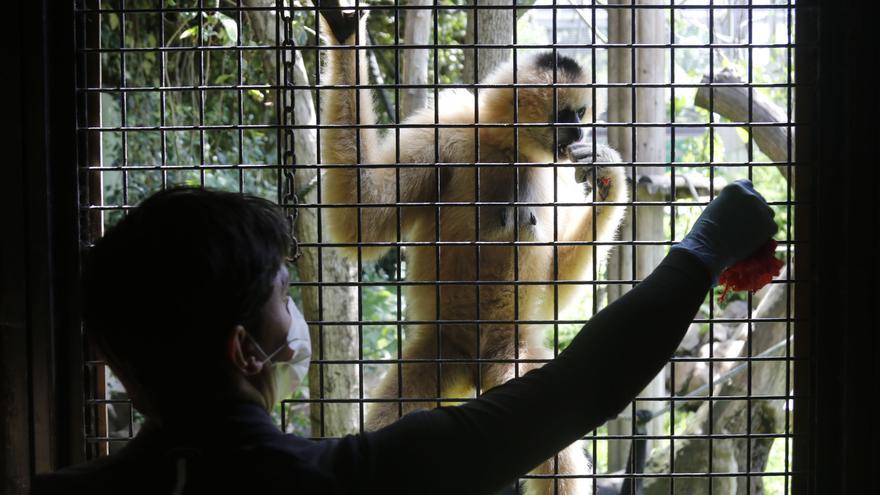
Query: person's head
180	295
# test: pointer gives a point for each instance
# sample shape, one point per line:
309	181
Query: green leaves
229	26
189	33
217	29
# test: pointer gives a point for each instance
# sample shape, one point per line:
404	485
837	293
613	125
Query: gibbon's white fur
465	300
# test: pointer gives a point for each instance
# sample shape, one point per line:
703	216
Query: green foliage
381	25
379	304
387	29
674	423
778	461
451	30
697	149
296	417
214	157
560	336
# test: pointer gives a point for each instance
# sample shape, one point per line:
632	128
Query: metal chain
289	199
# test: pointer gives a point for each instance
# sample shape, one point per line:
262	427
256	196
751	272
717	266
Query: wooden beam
732	103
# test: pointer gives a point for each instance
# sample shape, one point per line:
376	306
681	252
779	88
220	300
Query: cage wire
692	94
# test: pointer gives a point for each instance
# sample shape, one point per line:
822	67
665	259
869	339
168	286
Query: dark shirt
477	447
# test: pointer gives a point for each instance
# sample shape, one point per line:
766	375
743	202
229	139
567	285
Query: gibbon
472	277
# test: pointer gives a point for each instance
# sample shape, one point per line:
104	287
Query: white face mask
289	374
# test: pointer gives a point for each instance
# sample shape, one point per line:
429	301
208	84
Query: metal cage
693	94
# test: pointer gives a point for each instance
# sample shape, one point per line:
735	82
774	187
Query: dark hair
175	276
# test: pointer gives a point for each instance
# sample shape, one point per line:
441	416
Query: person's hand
732	227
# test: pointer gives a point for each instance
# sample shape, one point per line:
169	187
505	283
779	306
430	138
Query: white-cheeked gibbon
472	276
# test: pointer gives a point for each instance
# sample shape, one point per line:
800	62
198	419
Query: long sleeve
477	447
486	443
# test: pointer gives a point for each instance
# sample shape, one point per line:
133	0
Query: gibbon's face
572	113
538	105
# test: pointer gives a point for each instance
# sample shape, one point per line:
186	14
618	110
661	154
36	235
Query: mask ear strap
266	357
276	351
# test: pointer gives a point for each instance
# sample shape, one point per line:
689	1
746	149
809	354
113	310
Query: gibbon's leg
345	147
498	343
420	380
415	380
573	461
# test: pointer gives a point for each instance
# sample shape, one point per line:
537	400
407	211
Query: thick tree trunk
489	26
415	61
334	303
648	145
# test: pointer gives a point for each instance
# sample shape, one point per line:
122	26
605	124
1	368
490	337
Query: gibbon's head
538	104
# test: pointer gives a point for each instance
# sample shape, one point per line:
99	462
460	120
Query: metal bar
247	160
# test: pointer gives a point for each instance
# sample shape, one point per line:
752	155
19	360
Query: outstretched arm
488	442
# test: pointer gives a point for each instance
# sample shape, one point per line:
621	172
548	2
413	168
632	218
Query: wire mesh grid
691	94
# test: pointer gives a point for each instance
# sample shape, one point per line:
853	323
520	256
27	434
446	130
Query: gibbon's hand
583	153
730	229
343	22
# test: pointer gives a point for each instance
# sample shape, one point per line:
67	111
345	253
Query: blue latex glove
732	227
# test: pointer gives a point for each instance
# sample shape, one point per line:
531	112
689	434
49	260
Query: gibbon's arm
344	148
488	442
610	186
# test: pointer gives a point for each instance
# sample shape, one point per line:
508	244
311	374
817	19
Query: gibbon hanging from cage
473	278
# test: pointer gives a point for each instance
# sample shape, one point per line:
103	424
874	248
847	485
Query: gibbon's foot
342	22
